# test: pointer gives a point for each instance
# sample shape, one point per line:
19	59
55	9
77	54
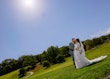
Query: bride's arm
79	48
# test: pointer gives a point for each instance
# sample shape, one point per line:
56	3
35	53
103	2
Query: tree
108	36
45	56
7	68
1	70
89	44
96	41
103	38
8	65
28	60
60	58
39	57
52	53
46	64
65	51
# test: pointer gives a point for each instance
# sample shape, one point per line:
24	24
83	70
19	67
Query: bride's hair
78	40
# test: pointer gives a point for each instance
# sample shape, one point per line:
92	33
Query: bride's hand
81	52
77	48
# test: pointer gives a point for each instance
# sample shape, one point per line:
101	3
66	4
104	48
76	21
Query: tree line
91	43
52	55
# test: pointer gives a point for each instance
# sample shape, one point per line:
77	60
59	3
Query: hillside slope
66	70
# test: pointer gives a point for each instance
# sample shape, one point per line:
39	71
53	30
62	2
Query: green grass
67	70
12	75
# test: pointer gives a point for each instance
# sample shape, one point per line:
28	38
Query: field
67	70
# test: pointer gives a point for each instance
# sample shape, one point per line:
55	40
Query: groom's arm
71	48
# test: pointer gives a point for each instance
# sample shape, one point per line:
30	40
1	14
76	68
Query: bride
79	55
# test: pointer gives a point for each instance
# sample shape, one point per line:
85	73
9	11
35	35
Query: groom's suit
71	52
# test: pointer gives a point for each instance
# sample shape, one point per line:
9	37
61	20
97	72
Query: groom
71	48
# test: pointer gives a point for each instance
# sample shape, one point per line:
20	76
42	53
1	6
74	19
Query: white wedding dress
80	59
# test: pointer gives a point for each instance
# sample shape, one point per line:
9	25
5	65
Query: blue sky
25	31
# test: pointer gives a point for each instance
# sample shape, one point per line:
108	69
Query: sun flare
30	9
29	3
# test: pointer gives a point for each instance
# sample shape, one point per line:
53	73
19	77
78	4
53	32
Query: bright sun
29	3
30	8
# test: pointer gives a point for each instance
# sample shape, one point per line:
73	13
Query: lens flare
29	3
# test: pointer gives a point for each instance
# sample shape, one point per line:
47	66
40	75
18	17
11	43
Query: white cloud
101	32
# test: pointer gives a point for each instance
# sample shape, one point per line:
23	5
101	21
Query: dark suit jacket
71	49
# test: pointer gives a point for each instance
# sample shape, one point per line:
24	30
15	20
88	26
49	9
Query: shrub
22	72
33	65
46	64
28	68
60	58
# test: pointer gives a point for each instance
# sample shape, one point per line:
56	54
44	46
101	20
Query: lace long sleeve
78	48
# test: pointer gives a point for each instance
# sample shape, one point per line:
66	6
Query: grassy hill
67	70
